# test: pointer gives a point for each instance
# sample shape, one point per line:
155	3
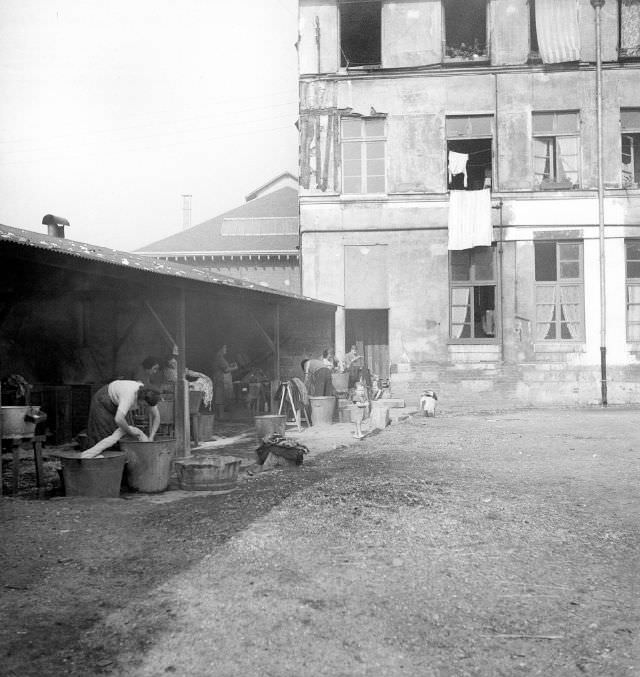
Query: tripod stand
287	397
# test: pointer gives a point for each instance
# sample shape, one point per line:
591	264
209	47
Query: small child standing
361	401
428	401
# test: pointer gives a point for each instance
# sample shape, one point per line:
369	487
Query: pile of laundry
281	446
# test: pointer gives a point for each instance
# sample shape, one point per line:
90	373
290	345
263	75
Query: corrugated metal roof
133	261
207	237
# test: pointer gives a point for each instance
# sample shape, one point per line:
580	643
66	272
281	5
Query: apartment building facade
448	192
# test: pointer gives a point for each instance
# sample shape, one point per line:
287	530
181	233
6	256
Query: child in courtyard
428	401
361	401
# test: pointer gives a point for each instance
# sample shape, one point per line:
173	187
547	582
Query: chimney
186	212
55	225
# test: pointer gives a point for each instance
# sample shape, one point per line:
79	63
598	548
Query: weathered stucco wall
326	12
416	108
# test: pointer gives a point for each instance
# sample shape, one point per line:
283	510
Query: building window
469	151
559	291
363	155
556	150
534	50
629	29
360	33
630	127
472	283
632	248
465	30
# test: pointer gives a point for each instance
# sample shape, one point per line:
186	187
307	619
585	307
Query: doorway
369	331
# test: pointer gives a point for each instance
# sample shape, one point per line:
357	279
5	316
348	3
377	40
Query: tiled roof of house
267	225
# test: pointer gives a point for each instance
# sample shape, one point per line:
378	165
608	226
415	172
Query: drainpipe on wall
318	40
597	6
500	268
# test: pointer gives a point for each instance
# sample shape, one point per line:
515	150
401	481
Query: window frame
557	284
483	58
471	284
342	57
470	137
555	135
362	141
630	282
634	132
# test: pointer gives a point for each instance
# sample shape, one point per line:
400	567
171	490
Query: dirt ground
482	544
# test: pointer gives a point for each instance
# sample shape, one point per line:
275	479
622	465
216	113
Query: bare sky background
110	111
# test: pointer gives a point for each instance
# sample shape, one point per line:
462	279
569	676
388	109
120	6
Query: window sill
474	342
560	347
466	61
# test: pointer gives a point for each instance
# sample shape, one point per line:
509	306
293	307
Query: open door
369	331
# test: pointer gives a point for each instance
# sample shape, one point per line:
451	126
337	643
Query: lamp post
597	6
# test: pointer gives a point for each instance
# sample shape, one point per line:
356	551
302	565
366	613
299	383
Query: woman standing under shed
221	367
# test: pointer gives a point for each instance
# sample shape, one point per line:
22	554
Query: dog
428	401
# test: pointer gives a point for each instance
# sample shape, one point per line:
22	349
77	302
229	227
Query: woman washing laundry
108	414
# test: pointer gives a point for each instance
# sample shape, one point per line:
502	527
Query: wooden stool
16	444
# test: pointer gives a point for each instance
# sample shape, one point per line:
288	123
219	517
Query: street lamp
597	6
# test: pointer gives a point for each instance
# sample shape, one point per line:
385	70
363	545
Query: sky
111	111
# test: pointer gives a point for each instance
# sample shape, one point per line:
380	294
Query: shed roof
134	262
265	225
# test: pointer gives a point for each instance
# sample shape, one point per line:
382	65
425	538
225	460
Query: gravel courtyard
480	544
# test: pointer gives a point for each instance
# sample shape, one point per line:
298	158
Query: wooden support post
183	442
276	341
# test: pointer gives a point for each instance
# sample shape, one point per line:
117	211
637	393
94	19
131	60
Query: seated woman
108	415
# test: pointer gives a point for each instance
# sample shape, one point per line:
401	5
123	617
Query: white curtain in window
460	311
545	307
470	219
630	27
570	300
558	31
568	159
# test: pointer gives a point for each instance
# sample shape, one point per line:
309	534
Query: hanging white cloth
558	31
458	165
470	219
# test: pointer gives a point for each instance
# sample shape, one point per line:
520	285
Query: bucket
266	425
148	464
13	424
340	382
93	477
195	398
208	473
205	423
322	410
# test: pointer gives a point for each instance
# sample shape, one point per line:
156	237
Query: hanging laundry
458	165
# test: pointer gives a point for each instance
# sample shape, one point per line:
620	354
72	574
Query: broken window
363	155
630	127
559	291
556	150
360	33
629	28
465	29
632	248
472	305
469	151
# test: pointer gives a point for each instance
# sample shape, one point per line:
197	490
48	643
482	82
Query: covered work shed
74	316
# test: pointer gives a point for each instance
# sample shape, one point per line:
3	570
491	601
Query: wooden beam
265	335
183	441
165	331
276	334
